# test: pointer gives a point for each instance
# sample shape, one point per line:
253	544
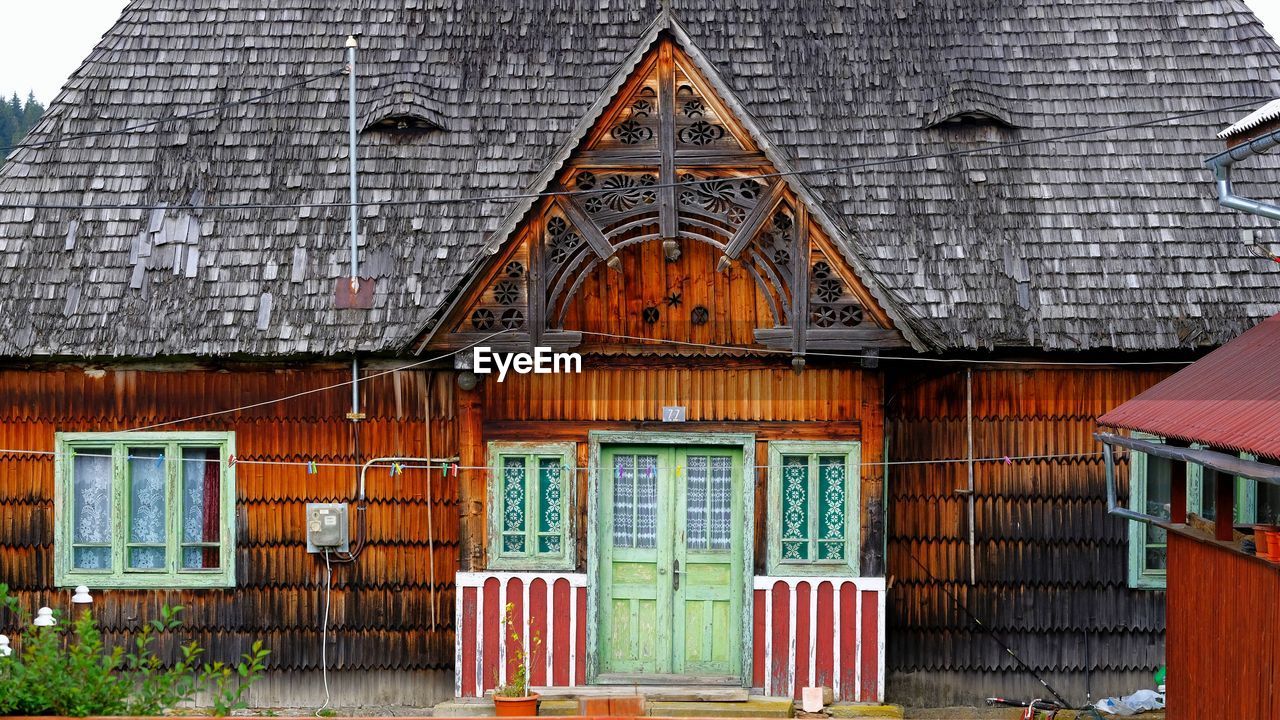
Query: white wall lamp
5	649
82	596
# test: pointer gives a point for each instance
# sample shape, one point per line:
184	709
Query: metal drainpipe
352	45
1221	164
355	389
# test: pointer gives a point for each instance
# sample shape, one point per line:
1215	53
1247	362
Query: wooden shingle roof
1108	242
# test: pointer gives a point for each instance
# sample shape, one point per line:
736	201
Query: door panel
708	600
634	566
671	560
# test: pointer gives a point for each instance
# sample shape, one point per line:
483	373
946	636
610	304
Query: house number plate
674	413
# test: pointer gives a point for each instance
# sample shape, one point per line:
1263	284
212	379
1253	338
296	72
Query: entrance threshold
651	693
666	679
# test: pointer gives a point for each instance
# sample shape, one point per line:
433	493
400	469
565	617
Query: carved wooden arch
667	162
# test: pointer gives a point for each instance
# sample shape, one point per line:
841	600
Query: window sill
147	581
1189	532
530	565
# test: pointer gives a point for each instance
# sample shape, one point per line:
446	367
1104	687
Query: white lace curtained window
635	501
709	503
530	505
813	509
144	510
91	511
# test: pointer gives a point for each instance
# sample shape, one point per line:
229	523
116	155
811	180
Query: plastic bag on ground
1141	701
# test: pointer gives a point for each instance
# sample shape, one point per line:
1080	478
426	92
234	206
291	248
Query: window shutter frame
533	454
120	577
814	451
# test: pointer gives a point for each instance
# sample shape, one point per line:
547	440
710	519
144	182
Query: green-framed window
1151	493
1258	502
531	489
813	508
141	510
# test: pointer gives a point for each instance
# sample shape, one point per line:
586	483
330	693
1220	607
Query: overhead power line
313	391
515	197
899	358
445	466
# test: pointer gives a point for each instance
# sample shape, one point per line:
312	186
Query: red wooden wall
1223	635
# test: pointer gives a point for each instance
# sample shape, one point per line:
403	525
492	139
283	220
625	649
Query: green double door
671	561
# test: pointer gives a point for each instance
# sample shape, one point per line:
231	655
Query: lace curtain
550	494
795	507
146	508
201	507
831	518
708	503
635	501
91	474
513	510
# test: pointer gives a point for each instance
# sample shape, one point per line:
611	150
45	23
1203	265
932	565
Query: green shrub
71	672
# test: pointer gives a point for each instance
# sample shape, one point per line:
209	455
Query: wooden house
1210	445
840	358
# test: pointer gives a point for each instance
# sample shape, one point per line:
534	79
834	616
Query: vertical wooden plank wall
721	394
1224	660
382	610
1051	563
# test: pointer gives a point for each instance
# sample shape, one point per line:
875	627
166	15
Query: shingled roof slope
1109	242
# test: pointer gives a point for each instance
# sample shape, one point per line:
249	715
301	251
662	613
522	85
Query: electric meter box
327	528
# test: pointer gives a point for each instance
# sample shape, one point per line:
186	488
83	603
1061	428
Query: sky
45	41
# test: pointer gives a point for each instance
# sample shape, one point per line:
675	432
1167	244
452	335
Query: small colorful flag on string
311	468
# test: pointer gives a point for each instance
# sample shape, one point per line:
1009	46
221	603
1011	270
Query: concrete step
754	707
656	693
864	710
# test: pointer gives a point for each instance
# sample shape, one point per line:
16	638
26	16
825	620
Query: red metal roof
1229	399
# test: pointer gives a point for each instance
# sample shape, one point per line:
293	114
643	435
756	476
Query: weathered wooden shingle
1111	241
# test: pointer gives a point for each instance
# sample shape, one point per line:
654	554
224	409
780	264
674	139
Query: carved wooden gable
669	223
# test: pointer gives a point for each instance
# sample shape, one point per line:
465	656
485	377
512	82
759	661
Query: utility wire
900	358
452	467
313	391
514	197
172	118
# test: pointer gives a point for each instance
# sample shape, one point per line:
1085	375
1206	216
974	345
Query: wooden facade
1049	572
389	613
745	217
1222	631
764	401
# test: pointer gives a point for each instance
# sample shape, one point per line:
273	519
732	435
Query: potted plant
514	699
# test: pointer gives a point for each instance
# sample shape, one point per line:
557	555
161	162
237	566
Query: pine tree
16	120
8	127
31	113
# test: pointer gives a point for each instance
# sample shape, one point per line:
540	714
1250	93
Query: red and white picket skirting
548	606
807	631
819	631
